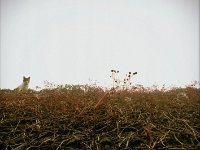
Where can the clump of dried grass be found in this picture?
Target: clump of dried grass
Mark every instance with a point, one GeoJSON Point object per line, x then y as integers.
{"type": "Point", "coordinates": [75, 118]}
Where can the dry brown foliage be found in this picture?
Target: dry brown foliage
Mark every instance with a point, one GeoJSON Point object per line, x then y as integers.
{"type": "Point", "coordinates": [100, 119]}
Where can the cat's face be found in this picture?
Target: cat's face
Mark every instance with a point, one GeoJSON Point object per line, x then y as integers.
{"type": "Point", "coordinates": [26, 80]}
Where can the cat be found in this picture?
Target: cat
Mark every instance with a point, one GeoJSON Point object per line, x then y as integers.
{"type": "Point", "coordinates": [24, 85]}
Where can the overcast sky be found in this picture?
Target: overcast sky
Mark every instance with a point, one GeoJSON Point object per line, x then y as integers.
{"type": "Point", "coordinates": [80, 41]}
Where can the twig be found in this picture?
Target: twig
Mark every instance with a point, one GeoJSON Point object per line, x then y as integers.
{"type": "Point", "coordinates": [177, 139]}
{"type": "Point", "coordinates": [191, 129]}
{"type": "Point", "coordinates": [99, 101]}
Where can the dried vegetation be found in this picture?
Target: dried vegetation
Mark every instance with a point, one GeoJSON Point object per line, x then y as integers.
{"type": "Point", "coordinates": [93, 118]}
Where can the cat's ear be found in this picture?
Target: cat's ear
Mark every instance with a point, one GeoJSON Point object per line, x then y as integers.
{"type": "Point", "coordinates": [29, 78]}
{"type": "Point", "coordinates": [24, 77]}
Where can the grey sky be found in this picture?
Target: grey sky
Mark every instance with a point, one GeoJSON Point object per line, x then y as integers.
{"type": "Point", "coordinates": [72, 41]}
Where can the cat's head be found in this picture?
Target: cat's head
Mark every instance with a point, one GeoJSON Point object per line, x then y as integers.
{"type": "Point", "coordinates": [26, 80]}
